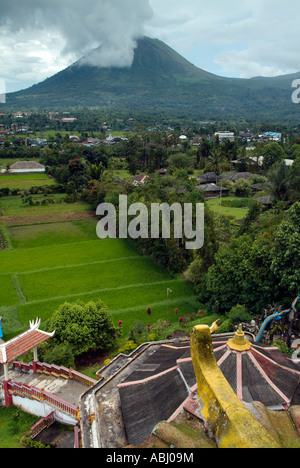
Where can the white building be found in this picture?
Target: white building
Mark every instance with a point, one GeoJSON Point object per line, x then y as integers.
{"type": "Point", "coordinates": [225, 136]}
{"type": "Point", "coordinates": [260, 160]}
{"type": "Point", "coordinates": [27, 167]}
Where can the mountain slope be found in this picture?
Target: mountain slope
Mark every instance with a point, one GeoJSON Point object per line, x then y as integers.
{"type": "Point", "coordinates": [160, 79]}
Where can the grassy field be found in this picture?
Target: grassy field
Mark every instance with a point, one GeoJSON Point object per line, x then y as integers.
{"type": "Point", "coordinates": [8, 294]}
{"type": "Point", "coordinates": [54, 256]}
{"type": "Point", "coordinates": [25, 181]}
{"type": "Point", "coordinates": [39, 235]}
{"type": "Point", "coordinates": [13, 207]}
{"type": "Point", "coordinates": [122, 174]}
{"type": "Point", "coordinates": [13, 424]}
{"type": "Point", "coordinates": [50, 264]}
{"type": "Point", "coordinates": [217, 207]}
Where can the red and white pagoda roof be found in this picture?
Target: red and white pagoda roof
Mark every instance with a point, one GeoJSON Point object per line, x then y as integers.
{"type": "Point", "coordinates": [23, 343]}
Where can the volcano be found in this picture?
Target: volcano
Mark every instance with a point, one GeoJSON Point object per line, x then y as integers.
{"type": "Point", "coordinates": [161, 80]}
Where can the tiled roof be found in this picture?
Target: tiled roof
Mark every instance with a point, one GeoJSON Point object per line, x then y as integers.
{"type": "Point", "coordinates": [265, 200]}
{"type": "Point", "coordinates": [259, 374]}
{"type": "Point", "coordinates": [148, 387]}
{"type": "Point", "coordinates": [26, 165]}
{"type": "Point", "coordinates": [209, 188]}
{"type": "Point", "coordinates": [187, 429]}
{"type": "Point", "coordinates": [157, 386]}
{"type": "Point", "coordinates": [19, 345]}
{"type": "Point", "coordinates": [233, 176]}
{"type": "Point", "coordinates": [140, 178]}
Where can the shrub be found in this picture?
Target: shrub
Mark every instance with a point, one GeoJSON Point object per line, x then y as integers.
{"type": "Point", "coordinates": [239, 313]}
{"type": "Point", "coordinates": [283, 347]}
{"type": "Point", "coordinates": [61, 355]}
{"type": "Point", "coordinates": [27, 442]}
{"type": "Point", "coordinates": [129, 346]}
{"type": "Point", "coordinates": [225, 327]}
{"type": "Point", "coordinates": [86, 327]}
{"type": "Point", "coordinates": [4, 192]}
{"type": "Point", "coordinates": [243, 188]}
{"type": "Point", "coordinates": [151, 337]}
{"type": "Point", "coordinates": [137, 332]}
{"type": "Point", "coordinates": [159, 329]}
{"type": "Point", "coordinates": [237, 203]}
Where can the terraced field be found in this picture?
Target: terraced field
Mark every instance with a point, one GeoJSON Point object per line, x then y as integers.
{"type": "Point", "coordinates": [49, 264]}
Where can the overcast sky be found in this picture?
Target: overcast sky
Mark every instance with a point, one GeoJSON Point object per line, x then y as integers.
{"type": "Point", "coordinates": [234, 38]}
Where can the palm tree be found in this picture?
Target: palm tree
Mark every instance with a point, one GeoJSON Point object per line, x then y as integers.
{"type": "Point", "coordinates": [96, 172]}
{"type": "Point", "coordinates": [279, 185]}
{"type": "Point", "coordinates": [217, 162]}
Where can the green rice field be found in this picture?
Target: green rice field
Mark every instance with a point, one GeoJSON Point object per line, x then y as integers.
{"type": "Point", "coordinates": [49, 264]}
{"type": "Point", "coordinates": [25, 181]}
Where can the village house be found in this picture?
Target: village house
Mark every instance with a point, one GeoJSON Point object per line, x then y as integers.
{"type": "Point", "coordinates": [260, 161]}
{"type": "Point", "coordinates": [207, 178]}
{"type": "Point", "coordinates": [27, 167]}
{"type": "Point", "coordinates": [38, 142]}
{"type": "Point", "coordinates": [266, 201]}
{"type": "Point", "coordinates": [2, 130]}
{"type": "Point", "coordinates": [196, 141]}
{"type": "Point", "coordinates": [261, 187]}
{"type": "Point", "coordinates": [68, 120]}
{"type": "Point", "coordinates": [139, 179]}
{"type": "Point", "coordinates": [212, 190]}
{"type": "Point", "coordinates": [74, 138]}
{"type": "Point", "coordinates": [234, 176]}
{"type": "Point", "coordinates": [273, 136]}
{"type": "Point", "coordinates": [162, 171]}
{"type": "Point", "coordinates": [225, 136]}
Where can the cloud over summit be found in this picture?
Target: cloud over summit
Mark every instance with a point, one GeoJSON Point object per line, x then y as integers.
{"type": "Point", "coordinates": [242, 38]}
{"type": "Point", "coordinates": [74, 27]}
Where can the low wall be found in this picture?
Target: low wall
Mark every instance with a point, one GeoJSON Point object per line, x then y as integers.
{"type": "Point", "coordinates": [43, 409]}
{"type": "Point", "coordinates": [52, 369]}
{"type": "Point", "coordinates": [41, 403]}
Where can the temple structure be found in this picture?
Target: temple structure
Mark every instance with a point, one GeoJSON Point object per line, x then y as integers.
{"type": "Point", "coordinates": [202, 390]}
{"type": "Point", "coordinates": [163, 381]}
{"type": "Point", "coordinates": [20, 345]}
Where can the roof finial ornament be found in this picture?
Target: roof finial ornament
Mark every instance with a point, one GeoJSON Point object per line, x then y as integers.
{"type": "Point", "coordinates": [239, 342]}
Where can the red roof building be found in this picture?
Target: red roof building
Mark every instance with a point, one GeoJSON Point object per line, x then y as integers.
{"type": "Point", "coordinates": [20, 345]}
{"type": "Point", "coordinates": [23, 343]}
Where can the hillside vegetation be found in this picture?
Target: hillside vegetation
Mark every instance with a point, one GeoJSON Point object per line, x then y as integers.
{"type": "Point", "coordinates": [160, 78]}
